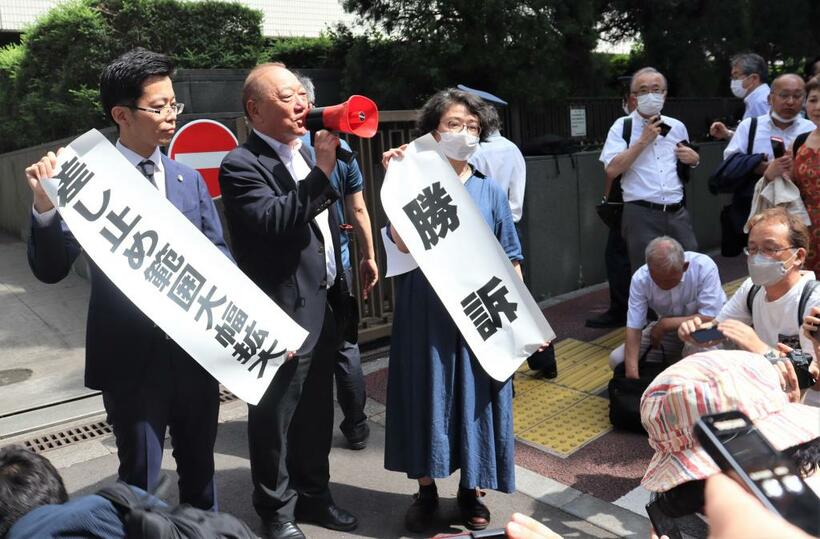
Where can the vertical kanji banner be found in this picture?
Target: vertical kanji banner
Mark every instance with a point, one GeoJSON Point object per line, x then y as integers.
{"type": "Point", "coordinates": [169, 269]}
{"type": "Point", "coordinates": [461, 258]}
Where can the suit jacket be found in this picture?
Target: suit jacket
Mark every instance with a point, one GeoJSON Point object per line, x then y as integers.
{"type": "Point", "coordinates": [119, 337]}
{"type": "Point", "coordinates": [274, 236]}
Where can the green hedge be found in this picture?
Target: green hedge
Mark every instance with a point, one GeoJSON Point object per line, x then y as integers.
{"type": "Point", "coordinates": [49, 82]}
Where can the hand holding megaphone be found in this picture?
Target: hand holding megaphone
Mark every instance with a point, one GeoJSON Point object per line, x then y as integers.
{"type": "Point", "coordinates": [357, 116]}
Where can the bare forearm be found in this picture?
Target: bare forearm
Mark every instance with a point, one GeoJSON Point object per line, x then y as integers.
{"type": "Point", "coordinates": [632, 346]}
{"type": "Point", "coordinates": [361, 225]}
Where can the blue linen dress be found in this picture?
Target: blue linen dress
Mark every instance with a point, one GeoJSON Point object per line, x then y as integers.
{"type": "Point", "coordinates": [444, 412]}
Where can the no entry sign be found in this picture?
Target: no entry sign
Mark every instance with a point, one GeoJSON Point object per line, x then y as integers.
{"type": "Point", "coordinates": [202, 144]}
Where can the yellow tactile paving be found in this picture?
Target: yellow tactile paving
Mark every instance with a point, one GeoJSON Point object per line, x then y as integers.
{"type": "Point", "coordinates": [569, 430]}
{"type": "Point", "coordinates": [589, 376]}
{"type": "Point", "coordinates": [525, 383]}
{"type": "Point", "coordinates": [611, 340]}
{"type": "Point", "coordinates": [732, 286]}
{"type": "Point", "coordinates": [535, 406]}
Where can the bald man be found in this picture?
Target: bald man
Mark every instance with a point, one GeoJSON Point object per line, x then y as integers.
{"type": "Point", "coordinates": [277, 194]}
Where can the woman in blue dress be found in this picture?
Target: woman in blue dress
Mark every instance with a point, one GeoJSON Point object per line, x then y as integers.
{"type": "Point", "coordinates": [444, 413]}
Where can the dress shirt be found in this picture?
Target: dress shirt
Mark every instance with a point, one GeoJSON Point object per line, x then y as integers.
{"type": "Point", "coordinates": [653, 176]}
{"type": "Point", "coordinates": [765, 130]}
{"type": "Point", "coordinates": [299, 169]}
{"type": "Point", "coordinates": [501, 161]}
{"type": "Point", "coordinates": [757, 102]}
{"type": "Point", "coordinates": [699, 292]}
{"type": "Point", "coordinates": [43, 219]}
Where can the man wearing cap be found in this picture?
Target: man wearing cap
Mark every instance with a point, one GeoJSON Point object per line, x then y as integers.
{"type": "Point", "coordinates": [708, 383]}
{"type": "Point", "coordinates": [350, 388]}
{"type": "Point", "coordinates": [678, 286]}
{"type": "Point", "coordinates": [648, 166]}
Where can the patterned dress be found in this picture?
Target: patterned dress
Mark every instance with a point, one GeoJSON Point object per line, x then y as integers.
{"type": "Point", "coordinates": [807, 178]}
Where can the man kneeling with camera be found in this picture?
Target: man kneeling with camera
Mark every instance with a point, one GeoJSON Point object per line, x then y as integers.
{"type": "Point", "coordinates": [766, 313]}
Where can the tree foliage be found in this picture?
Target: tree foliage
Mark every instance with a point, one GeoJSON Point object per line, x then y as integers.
{"type": "Point", "coordinates": [49, 82]}
{"type": "Point", "coordinates": [533, 49]}
{"type": "Point", "coordinates": [692, 41]}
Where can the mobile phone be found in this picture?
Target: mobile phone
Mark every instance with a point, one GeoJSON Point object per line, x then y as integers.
{"type": "Point", "coordinates": [707, 335]}
{"type": "Point", "coordinates": [662, 523]}
{"type": "Point", "coordinates": [739, 449]}
{"type": "Point", "coordinates": [664, 127]}
{"type": "Point", "coordinates": [778, 147]}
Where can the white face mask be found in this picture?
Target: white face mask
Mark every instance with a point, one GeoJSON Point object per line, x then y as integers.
{"type": "Point", "coordinates": [766, 271]}
{"type": "Point", "coordinates": [780, 118]}
{"type": "Point", "coordinates": [458, 146]}
{"type": "Point", "coordinates": [650, 104]}
{"type": "Point", "coordinates": [737, 88]}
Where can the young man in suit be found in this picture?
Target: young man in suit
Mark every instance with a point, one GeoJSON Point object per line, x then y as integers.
{"type": "Point", "coordinates": [148, 382]}
{"type": "Point", "coordinates": [277, 196]}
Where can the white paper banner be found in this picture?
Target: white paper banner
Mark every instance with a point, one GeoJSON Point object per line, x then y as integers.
{"type": "Point", "coordinates": [397, 262]}
{"type": "Point", "coordinates": [458, 253]}
{"type": "Point", "coordinates": [169, 269]}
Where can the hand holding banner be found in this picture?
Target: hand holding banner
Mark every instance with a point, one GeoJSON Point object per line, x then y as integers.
{"type": "Point", "coordinates": [169, 269]}
{"type": "Point", "coordinates": [461, 258]}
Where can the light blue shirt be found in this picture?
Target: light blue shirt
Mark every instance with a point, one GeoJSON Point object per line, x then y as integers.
{"type": "Point", "coordinates": [757, 102]}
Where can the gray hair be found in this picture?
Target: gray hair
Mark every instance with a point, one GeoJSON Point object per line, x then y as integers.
{"type": "Point", "coordinates": [646, 71]}
{"type": "Point", "coordinates": [751, 64]}
{"type": "Point", "coordinates": [307, 84]}
{"type": "Point", "coordinates": [665, 253]}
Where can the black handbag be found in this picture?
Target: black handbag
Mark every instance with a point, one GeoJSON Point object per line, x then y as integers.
{"type": "Point", "coordinates": [611, 208]}
{"type": "Point", "coordinates": [625, 393]}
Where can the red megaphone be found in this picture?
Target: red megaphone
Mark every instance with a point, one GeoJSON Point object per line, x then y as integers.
{"type": "Point", "coordinates": [357, 116]}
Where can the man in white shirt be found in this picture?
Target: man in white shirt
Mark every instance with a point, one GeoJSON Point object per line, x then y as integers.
{"type": "Point", "coordinates": [652, 190]}
{"type": "Point", "coordinates": [678, 286]}
{"type": "Point", "coordinates": [749, 77]}
{"type": "Point", "coordinates": [783, 120]}
{"type": "Point", "coordinates": [777, 248]}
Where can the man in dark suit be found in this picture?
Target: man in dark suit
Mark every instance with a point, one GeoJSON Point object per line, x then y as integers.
{"type": "Point", "coordinates": [276, 195]}
{"type": "Point", "coordinates": [148, 382]}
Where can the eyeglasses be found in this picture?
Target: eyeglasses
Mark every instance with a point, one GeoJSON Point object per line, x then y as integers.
{"type": "Point", "coordinates": [766, 251]}
{"type": "Point", "coordinates": [645, 91]}
{"type": "Point", "coordinates": [457, 126]}
{"type": "Point", "coordinates": [176, 108]}
{"type": "Point", "coordinates": [797, 97]}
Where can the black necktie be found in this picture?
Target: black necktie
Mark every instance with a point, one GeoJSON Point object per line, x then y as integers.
{"type": "Point", "coordinates": [147, 169]}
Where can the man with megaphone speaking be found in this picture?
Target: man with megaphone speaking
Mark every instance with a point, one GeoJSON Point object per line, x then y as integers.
{"type": "Point", "coordinates": [277, 194]}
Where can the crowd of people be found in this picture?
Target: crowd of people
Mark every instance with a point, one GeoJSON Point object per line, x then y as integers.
{"type": "Point", "coordinates": [286, 198]}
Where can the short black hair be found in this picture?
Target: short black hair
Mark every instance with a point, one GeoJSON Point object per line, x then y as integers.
{"type": "Point", "coordinates": [121, 81]}
{"type": "Point", "coordinates": [27, 481]}
{"type": "Point", "coordinates": [432, 111]}
{"type": "Point", "coordinates": [808, 69]}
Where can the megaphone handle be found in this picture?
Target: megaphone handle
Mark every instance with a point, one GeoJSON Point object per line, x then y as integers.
{"type": "Point", "coordinates": [345, 155]}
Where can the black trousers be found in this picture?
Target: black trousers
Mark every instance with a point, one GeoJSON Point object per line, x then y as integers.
{"type": "Point", "coordinates": [178, 394]}
{"type": "Point", "coordinates": [350, 390]}
{"type": "Point", "coordinates": [618, 272]}
{"type": "Point", "coordinates": [291, 429]}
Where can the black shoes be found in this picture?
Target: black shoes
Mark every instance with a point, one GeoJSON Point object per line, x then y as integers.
{"type": "Point", "coordinates": [327, 515]}
{"type": "Point", "coordinates": [419, 516]}
{"type": "Point", "coordinates": [606, 320]}
{"type": "Point", "coordinates": [357, 443]}
{"type": "Point", "coordinates": [474, 513]}
{"type": "Point", "coordinates": [281, 530]}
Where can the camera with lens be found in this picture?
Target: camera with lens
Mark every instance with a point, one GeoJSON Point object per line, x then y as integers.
{"type": "Point", "coordinates": [801, 361]}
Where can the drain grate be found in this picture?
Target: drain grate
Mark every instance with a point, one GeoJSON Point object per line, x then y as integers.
{"type": "Point", "coordinates": [70, 436]}
{"type": "Point", "coordinates": [82, 433]}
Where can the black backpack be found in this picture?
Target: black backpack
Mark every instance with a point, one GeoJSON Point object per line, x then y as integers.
{"type": "Point", "coordinates": [625, 393]}
{"type": "Point", "coordinates": [142, 520]}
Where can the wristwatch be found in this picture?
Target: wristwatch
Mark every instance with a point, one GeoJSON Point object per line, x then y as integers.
{"type": "Point", "coordinates": [772, 355]}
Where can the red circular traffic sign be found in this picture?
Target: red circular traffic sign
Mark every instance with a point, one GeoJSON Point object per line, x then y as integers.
{"type": "Point", "coordinates": [202, 144]}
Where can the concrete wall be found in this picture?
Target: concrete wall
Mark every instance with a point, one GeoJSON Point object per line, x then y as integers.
{"type": "Point", "coordinates": [562, 236]}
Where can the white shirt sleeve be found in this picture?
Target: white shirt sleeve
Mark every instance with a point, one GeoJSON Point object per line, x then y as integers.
{"type": "Point", "coordinates": [638, 299]}
{"type": "Point", "coordinates": [615, 142]}
{"type": "Point", "coordinates": [740, 139]}
{"type": "Point", "coordinates": [44, 219]}
{"type": "Point", "coordinates": [711, 297]}
{"type": "Point", "coordinates": [518, 184]}
{"type": "Point", "coordinates": [735, 308]}
{"type": "Point", "coordinates": [806, 343]}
